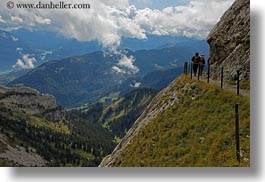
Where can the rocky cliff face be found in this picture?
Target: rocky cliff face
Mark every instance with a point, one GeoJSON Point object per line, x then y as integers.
{"type": "Point", "coordinates": [229, 42]}
{"type": "Point", "coordinates": [30, 101]}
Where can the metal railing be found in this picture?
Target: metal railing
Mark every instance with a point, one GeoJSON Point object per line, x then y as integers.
{"type": "Point", "coordinates": [198, 70]}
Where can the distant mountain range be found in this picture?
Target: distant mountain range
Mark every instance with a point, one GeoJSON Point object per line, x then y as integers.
{"type": "Point", "coordinates": [95, 75]}
{"type": "Point", "coordinates": [87, 78]}
{"type": "Point", "coordinates": [55, 46]}
{"type": "Point", "coordinates": [51, 41]}
{"type": "Point", "coordinates": [16, 43]}
{"type": "Point", "coordinates": [73, 79]}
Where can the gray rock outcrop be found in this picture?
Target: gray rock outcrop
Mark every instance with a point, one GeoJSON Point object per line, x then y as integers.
{"type": "Point", "coordinates": [229, 42]}
{"type": "Point", "coordinates": [30, 101]}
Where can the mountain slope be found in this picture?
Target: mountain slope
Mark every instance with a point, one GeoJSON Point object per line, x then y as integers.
{"type": "Point", "coordinates": [150, 60]}
{"type": "Point", "coordinates": [157, 80]}
{"type": "Point", "coordinates": [120, 116]}
{"type": "Point", "coordinates": [161, 78]}
{"type": "Point", "coordinates": [189, 124]}
{"type": "Point", "coordinates": [35, 131]}
{"type": "Point", "coordinates": [11, 76]}
{"type": "Point", "coordinates": [72, 80]}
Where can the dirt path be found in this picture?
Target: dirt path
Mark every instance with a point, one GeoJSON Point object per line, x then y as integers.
{"type": "Point", "coordinates": [226, 86]}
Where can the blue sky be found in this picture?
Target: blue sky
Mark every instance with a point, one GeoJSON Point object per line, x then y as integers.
{"type": "Point", "coordinates": [158, 4]}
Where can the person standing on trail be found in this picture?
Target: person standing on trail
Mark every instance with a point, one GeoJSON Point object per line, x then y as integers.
{"type": "Point", "coordinates": [202, 64]}
{"type": "Point", "coordinates": [195, 59]}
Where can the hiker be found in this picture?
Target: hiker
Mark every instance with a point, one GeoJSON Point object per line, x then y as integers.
{"type": "Point", "coordinates": [202, 63]}
{"type": "Point", "coordinates": [195, 59]}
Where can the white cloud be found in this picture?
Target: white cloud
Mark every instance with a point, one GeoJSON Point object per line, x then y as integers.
{"type": "Point", "coordinates": [118, 70]}
{"type": "Point", "coordinates": [19, 49]}
{"type": "Point", "coordinates": [15, 39]}
{"type": "Point", "coordinates": [125, 64]}
{"type": "Point", "coordinates": [195, 19]}
{"type": "Point", "coordinates": [135, 84]}
{"type": "Point", "coordinates": [16, 19]}
{"type": "Point", "coordinates": [2, 20]}
{"type": "Point", "coordinates": [44, 54]}
{"type": "Point", "coordinates": [41, 20]}
{"type": "Point", "coordinates": [27, 62]}
{"type": "Point", "coordinates": [108, 21]}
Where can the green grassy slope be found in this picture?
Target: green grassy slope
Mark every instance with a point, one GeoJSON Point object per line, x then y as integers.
{"type": "Point", "coordinates": [196, 131]}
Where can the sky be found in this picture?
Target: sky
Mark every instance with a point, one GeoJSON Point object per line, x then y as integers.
{"type": "Point", "coordinates": [109, 21]}
{"type": "Point", "coordinates": [158, 4]}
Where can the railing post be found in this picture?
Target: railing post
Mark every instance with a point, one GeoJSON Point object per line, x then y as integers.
{"type": "Point", "coordinates": [238, 86]}
{"type": "Point", "coordinates": [237, 133]}
{"type": "Point", "coordinates": [191, 68]}
{"type": "Point", "coordinates": [208, 74]}
{"type": "Point", "coordinates": [222, 77]}
{"type": "Point", "coordinates": [186, 68]}
{"type": "Point", "coordinates": [199, 71]}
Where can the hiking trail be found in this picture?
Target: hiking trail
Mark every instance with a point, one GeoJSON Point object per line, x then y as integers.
{"type": "Point", "coordinates": [226, 86]}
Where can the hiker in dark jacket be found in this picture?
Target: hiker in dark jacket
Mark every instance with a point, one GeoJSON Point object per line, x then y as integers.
{"type": "Point", "coordinates": [195, 59]}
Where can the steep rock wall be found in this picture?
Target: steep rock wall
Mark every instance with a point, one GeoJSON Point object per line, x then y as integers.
{"type": "Point", "coordinates": [229, 42]}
